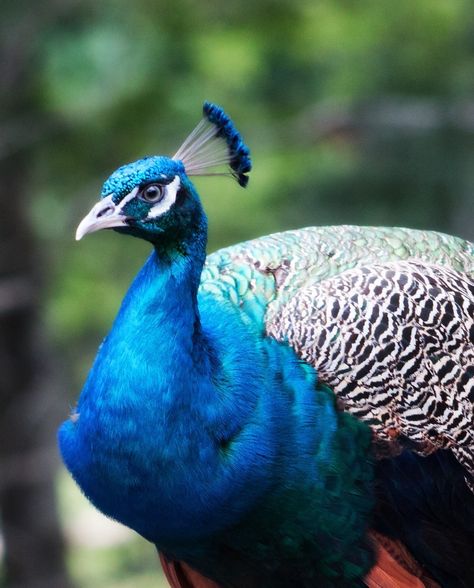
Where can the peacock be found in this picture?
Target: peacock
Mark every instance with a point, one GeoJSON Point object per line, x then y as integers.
{"type": "Point", "coordinates": [292, 411]}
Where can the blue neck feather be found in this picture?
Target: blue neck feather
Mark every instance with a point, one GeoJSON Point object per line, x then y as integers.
{"type": "Point", "coordinates": [158, 405]}
{"type": "Point", "coordinates": [192, 427]}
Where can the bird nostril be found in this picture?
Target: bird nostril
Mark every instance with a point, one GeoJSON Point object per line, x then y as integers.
{"type": "Point", "coordinates": [105, 211]}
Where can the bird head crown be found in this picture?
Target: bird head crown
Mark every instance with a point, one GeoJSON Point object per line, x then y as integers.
{"type": "Point", "coordinates": [154, 195]}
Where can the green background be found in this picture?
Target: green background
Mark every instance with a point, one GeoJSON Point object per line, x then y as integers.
{"type": "Point", "coordinates": [356, 111]}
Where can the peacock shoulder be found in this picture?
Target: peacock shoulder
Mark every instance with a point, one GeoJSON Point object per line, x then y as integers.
{"type": "Point", "coordinates": [262, 274]}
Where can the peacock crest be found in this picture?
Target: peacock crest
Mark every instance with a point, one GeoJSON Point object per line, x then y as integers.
{"type": "Point", "coordinates": [215, 142]}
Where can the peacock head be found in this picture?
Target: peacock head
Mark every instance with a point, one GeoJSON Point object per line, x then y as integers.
{"type": "Point", "coordinates": [154, 199]}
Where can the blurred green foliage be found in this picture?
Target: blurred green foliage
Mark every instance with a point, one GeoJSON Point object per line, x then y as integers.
{"type": "Point", "coordinates": [356, 112]}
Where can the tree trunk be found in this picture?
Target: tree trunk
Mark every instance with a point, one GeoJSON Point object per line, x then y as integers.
{"type": "Point", "coordinates": [34, 552]}
{"type": "Point", "coordinates": [33, 541]}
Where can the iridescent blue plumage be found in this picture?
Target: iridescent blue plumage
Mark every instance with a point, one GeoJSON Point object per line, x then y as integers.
{"type": "Point", "coordinates": [145, 170]}
{"type": "Point", "coordinates": [195, 427]}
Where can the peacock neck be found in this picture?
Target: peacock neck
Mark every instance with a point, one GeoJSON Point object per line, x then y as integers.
{"type": "Point", "coordinates": [180, 260]}
{"type": "Point", "coordinates": [156, 333]}
{"type": "Point", "coordinates": [161, 306]}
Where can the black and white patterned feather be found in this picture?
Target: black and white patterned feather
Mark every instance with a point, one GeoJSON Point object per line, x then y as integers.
{"type": "Point", "coordinates": [395, 341]}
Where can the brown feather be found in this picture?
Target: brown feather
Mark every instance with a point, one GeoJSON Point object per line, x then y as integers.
{"type": "Point", "coordinates": [180, 575]}
{"type": "Point", "coordinates": [395, 567]}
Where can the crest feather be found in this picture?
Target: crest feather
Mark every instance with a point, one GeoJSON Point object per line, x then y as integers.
{"type": "Point", "coordinates": [213, 143]}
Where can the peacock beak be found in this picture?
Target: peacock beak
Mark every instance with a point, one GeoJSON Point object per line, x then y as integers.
{"type": "Point", "coordinates": [104, 215]}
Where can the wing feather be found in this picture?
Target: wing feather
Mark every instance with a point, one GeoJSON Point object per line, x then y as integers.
{"type": "Point", "coordinates": [395, 342]}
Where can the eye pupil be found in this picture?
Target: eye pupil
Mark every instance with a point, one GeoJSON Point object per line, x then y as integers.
{"type": "Point", "coordinates": [152, 193]}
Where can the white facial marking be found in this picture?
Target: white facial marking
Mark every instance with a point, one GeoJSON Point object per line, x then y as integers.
{"type": "Point", "coordinates": [130, 196]}
{"type": "Point", "coordinates": [171, 190]}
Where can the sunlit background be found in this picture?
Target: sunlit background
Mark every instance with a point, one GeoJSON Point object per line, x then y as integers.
{"type": "Point", "coordinates": [359, 112]}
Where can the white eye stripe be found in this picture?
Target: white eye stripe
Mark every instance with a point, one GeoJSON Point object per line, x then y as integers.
{"type": "Point", "coordinates": [171, 191]}
{"type": "Point", "coordinates": [130, 196]}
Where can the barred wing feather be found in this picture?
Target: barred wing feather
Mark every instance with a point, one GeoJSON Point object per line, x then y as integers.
{"type": "Point", "coordinates": [395, 342]}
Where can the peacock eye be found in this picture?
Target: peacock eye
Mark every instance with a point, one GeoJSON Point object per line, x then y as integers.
{"type": "Point", "coordinates": [152, 193]}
